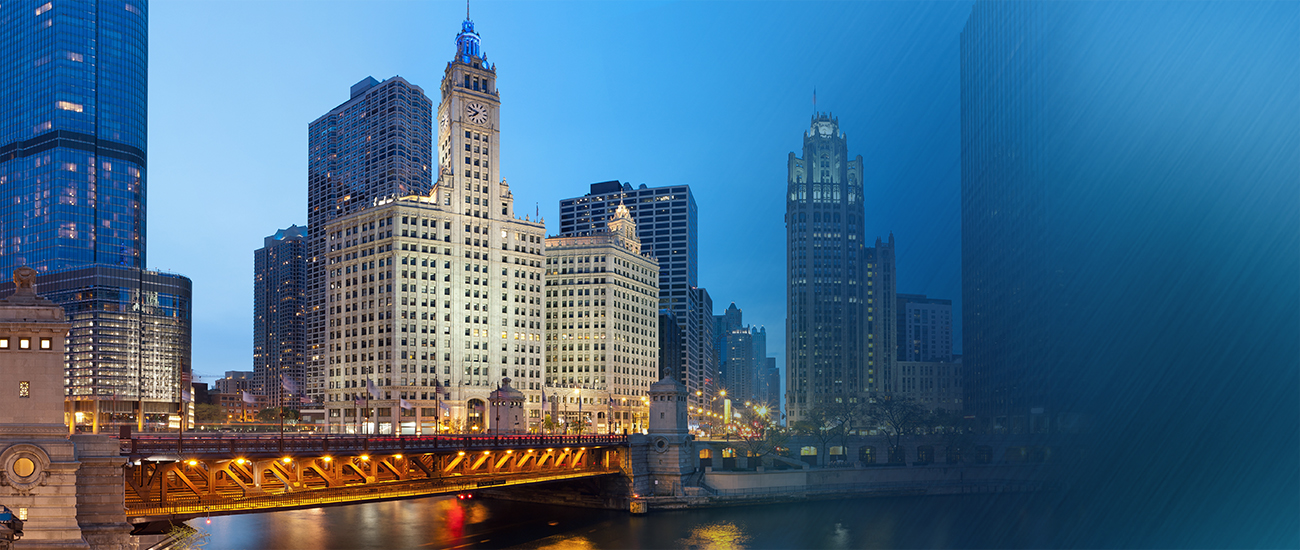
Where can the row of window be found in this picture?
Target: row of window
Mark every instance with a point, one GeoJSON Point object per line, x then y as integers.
{"type": "Point", "coordinates": [26, 343]}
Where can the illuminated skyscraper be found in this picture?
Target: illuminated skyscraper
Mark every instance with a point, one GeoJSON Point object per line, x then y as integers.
{"type": "Point", "coordinates": [73, 138]}
{"type": "Point", "coordinates": [279, 314]}
{"type": "Point", "coordinates": [839, 326]}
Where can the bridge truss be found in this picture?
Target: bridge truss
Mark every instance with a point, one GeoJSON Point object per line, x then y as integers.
{"type": "Point", "coordinates": [180, 478]}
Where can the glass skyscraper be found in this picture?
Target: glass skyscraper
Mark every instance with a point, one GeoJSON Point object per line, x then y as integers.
{"type": "Point", "coordinates": [279, 314]}
{"type": "Point", "coordinates": [73, 136]}
{"type": "Point", "coordinates": [73, 87]}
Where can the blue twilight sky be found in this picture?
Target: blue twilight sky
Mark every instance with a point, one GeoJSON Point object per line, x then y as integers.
{"type": "Point", "coordinates": [714, 95]}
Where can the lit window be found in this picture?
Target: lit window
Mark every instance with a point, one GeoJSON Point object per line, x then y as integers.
{"type": "Point", "coordinates": [69, 106]}
{"type": "Point", "coordinates": [4, 343]}
{"type": "Point", "coordinates": [25, 343]}
{"type": "Point", "coordinates": [24, 389]}
{"type": "Point", "coordinates": [46, 343]}
{"type": "Point", "coordinates": [44, 8]}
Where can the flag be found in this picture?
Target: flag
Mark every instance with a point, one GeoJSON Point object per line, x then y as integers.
{"type": "Point", "coordinates": [290, 385]}
{"type": "Point", "coordinates": [248, 398]}
{"type": "Point", "coordinates": [370, 387]}
{"type": "Point", "coordinates": [304, 399]}
{"type": "Point", "coordinates": [185, 396]}
{"type": "Point", "coordinates": [358, 403]}
{"type": "Point", "coordinates": [405, 404]}
{"type": "Point", "coordinates": [444, 407]}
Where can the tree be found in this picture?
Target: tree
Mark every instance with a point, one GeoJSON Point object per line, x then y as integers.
{"type": "Point", "coordinates": [759, 435]}
{"type": "Point", "coordinates": [897, 416]}
{"type": "Point", "coordinates": [842, 418]}
{"type": "Point", "coordinates": [273, 414]}
{"type": "Point", "coordinates": [184, 537]}
{"type": "Point", "coordinates": [549, 424]}
{"type": "Point", "coordinates": [820, 426]}
{"type": "Point", "coordinates": [205, 413]}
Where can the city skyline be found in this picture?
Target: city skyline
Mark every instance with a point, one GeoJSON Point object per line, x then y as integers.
{"type": "Point", "coordinates": [892, 132]}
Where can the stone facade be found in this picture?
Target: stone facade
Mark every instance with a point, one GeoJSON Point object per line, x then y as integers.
{"type": "Point", "coordinates": [42, 469]}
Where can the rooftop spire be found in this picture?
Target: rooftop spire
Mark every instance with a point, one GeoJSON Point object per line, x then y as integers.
{"type": "Point", "coordinates": [467, 42]}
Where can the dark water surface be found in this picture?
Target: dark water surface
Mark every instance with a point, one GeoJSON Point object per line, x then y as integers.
{"type": "Point", "coordinates": [972, 521]}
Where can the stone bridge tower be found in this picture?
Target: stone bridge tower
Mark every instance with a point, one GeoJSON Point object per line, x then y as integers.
{"type": "Point", "coordinates": [68, 489]}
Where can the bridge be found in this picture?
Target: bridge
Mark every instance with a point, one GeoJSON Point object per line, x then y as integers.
{"type": "Point", "coordinates": [172, 478]}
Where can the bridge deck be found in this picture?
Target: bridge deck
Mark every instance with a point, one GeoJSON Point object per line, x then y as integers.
{"type": "Point", "coordinates": [186, 446]}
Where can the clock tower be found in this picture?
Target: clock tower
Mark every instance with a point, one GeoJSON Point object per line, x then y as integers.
{"type": "Point", "coordinates": [468, 131]}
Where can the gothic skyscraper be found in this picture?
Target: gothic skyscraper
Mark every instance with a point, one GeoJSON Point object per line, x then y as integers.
{"type": "Point", "coordinates": [838, 289]}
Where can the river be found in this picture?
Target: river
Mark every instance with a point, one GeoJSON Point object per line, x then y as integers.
{"type": "Point", "coordinates": [968, 521]}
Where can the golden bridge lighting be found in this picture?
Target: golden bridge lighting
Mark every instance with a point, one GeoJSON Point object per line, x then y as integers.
{"type": "Point", "coordinates": [397, 456]}
{"type": "Point", "coordinates": [326, 458]}
{"type": "Point", "coordinates": [365, 457]}
{"type": "Point", "coordinates": [193, 462]}
{"type": "Point", "coordinates": [286, 460]}
{"type": "Point", "coordinates": [240, 461]}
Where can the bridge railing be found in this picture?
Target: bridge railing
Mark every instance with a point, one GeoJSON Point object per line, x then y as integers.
{"type": "Point", "coordinates": [250, 445]}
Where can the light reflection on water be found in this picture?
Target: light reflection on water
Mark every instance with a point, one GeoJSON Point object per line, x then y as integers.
{"type": "Point", "coordinates": [715, 536]}
{"type": "Point", "coordinates": [987, 521]}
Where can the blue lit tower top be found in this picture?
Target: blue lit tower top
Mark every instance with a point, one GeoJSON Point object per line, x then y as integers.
{"type": "Point", "coordinates": [467, 43]}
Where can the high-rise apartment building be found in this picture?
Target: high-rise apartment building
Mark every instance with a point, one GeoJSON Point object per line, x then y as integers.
{"type": "Point", "coordinates": [436, 298]}
{"type": "Point", "coordinates": [839, 329]}
{"type": "Point", "coordinates": [602, 326]}
{"type": "Point", "coordinates": [667, 224]}
{"type": "Point", "coordinates": [377, 145]}
{"type": "Point", "coordinates": [924, 328]}
{"type": "Point", "coordinates": [279, 316]}
{"type": "Point", "coordinates": [73, 139]}
{"type": "Point", "coordinates": [741, 356]}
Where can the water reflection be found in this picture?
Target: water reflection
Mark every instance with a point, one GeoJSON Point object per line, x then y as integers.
{"type": "Point", "coordinates": [987, 521]}
{"type": "Point", "coordinates": [715, 536]}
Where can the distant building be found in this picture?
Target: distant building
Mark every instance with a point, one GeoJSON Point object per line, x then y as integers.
{"type": "Point", "coordinates": [279, 316]}
{"type": "Point", "coordinates": [700, 350]}
{"type": "Point", "coordinates": [234, 383]}
{"type": "Point", "coordinates": [934, 385]}
{"type": "Point", "coordinates": [376, 145]}
{"type": "Point", "coordinates": [602, 326]}
{"type": "Point", "coordinates": [670, 343]}
{"type": "Point", "coordinates": [237, 405]}
{"type": "Point", "coordinates": [924, 328]}
{"type": "Point", "coordinates": [201, 393]}
{"type": "Point", "coordinates": [667, 224]}
{"type": "Point", "coordinates": [771, 384]}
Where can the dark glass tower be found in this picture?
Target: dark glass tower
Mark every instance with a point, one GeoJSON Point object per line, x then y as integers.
{"type": "Point", "coordinates": [73, 113]}
{"type": "Point", "coordinates": [376, 145]}
{"type": "Point", "coordinates": [1129, 257]}
{"type": "Point", "coordinates": [279, 304]}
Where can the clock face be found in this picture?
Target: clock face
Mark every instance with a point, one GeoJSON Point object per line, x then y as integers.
{"type": "Point", "coordinates": [824, 129]}
{"type": "Point", "coordinates": [477, 113]}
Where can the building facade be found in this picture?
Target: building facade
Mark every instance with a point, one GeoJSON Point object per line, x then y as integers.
{"type": "Point", "coordinates": [279, 316]}
{"type": "Point", "coordinates": [839, 328]}
{"type": "Point", "coordinates": [933, 385]}
{"type": "Point", "coordinates": [924, 328]}
{"type": "Point", "coordinates": [72, 151]}
{"type": "Point", "coordinates": [375, 146]}
{"type": "Point", "coordinates": [602, 327]}
{"type": "Point", "coordinates": [129, 346]}
{"type": "Point", "coordinates": [667, 224]}
{"type": "Point", "coordinates": [235, 382]}
{"type": "Point", "coordinates": [437, 298]}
